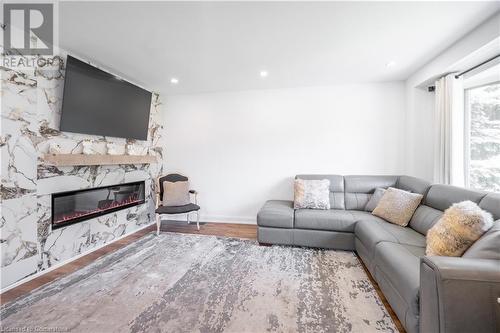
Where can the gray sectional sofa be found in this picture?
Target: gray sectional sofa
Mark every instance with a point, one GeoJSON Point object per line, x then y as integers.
{"type": "Point", "coordinates": [428, 294]}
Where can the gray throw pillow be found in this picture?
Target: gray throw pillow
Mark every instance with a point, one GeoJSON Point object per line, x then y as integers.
{"type": "Point", "coordinates": [374, 199]}
{"type": "Point", "coordinates": [314, 194]}
{"type": "Point", "coordinates": [175, 193]}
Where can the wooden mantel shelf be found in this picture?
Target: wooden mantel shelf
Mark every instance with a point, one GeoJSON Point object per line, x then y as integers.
{"type": "Point", "coordinates": [81, 159]}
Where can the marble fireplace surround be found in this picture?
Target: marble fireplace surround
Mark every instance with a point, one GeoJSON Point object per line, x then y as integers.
{"type": "Point", "coordinates": [30, 112]}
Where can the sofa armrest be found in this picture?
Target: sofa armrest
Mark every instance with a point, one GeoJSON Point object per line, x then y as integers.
{"type": "Point", "coordinates": [459, 295]}
{"type": "Point", "coordinates": [276, 214]}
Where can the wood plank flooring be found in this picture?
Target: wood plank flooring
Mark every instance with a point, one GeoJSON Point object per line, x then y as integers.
{"type": "Point", "coordinates": [247, 231]}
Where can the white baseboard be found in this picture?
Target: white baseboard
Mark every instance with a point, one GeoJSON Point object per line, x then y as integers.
{"type": "Point", "coordinates": [228, 219]}
{"type": "Point", "coordinates": [62, 263]}
{"type": "Point", "coordinates": [213, 218]}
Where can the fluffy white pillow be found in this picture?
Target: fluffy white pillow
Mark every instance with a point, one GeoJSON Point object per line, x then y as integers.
{"type": "Point", "coordinates": [313, 194]}
{"type": "Point", "coordinates": [459, 227]}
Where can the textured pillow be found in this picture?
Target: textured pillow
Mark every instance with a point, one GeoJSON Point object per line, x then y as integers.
{"type": "Point", "coordinates": [460, 226]}
{"type": "Point", "coordinates": [175, 193]}
{"type": "Point", "coordinates": [374, 199]}
{"type": "Point", "coordinates": [397, 206]}
{"type": "Point", "coordinates": [313, 194]}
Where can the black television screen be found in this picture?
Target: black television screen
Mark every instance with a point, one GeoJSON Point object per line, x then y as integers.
{"type": "Point", "coordinates": [99, 103]}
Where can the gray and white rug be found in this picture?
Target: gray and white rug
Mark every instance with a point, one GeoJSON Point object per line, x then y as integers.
{"type": "Point", "coordinates": [190, 283]}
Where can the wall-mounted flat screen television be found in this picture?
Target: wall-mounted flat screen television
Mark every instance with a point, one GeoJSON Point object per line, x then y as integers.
{"type": "Point", "coordinates": [99, 103]}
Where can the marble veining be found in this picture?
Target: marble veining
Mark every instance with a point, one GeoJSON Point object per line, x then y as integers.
{"type": "Point", "coordinates": [30, 112]}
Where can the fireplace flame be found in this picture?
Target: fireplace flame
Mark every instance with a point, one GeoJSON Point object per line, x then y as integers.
{"type": "Point", "coordinates": [63, 218]}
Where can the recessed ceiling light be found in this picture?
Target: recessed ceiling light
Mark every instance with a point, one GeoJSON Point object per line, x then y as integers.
{"type": "Point", "coordinates": [390, 64]}
{"type": "Point", "coordinates": [263, 73]}
{"type": "Point", "coordinates": [174, 80]}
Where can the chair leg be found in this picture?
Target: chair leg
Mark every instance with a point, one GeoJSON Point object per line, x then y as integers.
{"type": "Point", "coordinates": [187, 217]}
{"type": "Point", "coordinates": [198, 219]}
{"type": "Point", "coordinates": [158, 224]}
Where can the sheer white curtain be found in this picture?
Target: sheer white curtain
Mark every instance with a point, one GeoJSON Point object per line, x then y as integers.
{"type": "Point", "coordinates": [449, 131]}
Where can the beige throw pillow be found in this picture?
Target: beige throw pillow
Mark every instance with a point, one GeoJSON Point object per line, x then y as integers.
{"type": "Point", "coordinates": [313, 194]}
{"type": "Point", "coordinates": [397, 206]}
{"type": "Point", "coordinates": [459, 227]}
{"type": "Point", "coordinates": [175, 193]}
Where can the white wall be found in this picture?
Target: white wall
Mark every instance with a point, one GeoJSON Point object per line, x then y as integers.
{"type": "Point", "coordinates": [242, 148]}
{"type": "Point", "coordinates": [419, 139]}
{"type": "Point", "coordinates": [478, 45]}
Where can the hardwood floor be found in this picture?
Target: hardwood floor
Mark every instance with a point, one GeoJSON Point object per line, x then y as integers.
{"type": "Point", "coordinates": [247, 231]}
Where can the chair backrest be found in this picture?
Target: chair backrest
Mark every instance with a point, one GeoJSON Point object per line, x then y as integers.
{"type": "Point", "coordinates": [172, 177]}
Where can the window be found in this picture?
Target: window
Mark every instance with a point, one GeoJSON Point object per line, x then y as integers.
{"type": "Point", "coordinates": [482, 135]}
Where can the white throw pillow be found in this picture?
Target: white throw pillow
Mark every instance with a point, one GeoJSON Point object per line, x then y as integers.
{"type": "Point", "coordinates": [459, 227]}
{"type": "Point", "coordinates": [313, 194]}
{"type": "Point", "coordinates": [175, 193]}
{"type": "Point", "coordinates": [397, 206]}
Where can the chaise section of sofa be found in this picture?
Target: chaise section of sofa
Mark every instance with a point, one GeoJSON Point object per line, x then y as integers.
{"type": "Point", "coordinates": [428, 294]}
{"type": "Point", "coordinates": [275, 222]}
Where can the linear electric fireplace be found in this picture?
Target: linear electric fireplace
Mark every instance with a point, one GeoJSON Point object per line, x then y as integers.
{"type": "Point", "coordinates": [75, 206]}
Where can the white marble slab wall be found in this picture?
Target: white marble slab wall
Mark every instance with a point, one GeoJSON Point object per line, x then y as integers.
{"type": "Point", "coordinates": [30, 113]}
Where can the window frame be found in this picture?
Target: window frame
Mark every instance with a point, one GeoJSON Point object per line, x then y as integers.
{"type": "Point", "coordinates": [467, 129]}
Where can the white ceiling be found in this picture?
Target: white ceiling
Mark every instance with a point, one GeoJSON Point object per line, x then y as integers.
{"type": "Point", "coordinates": [221, 46]}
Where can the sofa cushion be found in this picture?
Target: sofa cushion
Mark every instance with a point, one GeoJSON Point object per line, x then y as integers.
{"type": "Point", "coordinates": [412, 184]}
{"type": "Point", "coordinates": [276, 213]}
{"type": "Point", "coordinates": [372, 231]}
{"type": "Point", "coordinates": [362, 215]}
{"type": "Point", "coordinates": [336, 188]}
{"type": "Point", "coordinates": [399, 265]}
{"type": "Point", "coordinates": [332, 220]}
{"type": "Point", "coordinates": [488, 246]}
{"type": "Point", "coordinates": [443, 196]}
{"type": "Point", "coordinates": [424, 218]}
{"type": "Point", "coordinates": [397, 206]}
{"type": "Point", "coordinates": [359, 189]}
{"type": "Point", "coordinates": [491, 203]}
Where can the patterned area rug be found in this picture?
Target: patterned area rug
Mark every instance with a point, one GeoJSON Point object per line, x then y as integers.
{"type": "Point", "coordinates": [189, 283]}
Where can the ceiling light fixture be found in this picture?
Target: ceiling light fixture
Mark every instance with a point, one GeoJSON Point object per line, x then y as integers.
{"type": "Point", "coordinates": [174, 80]}
{"type": "Point", "coordinates": [263, 74]}
{"type": "Point", "coordinates": [390, 64]}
